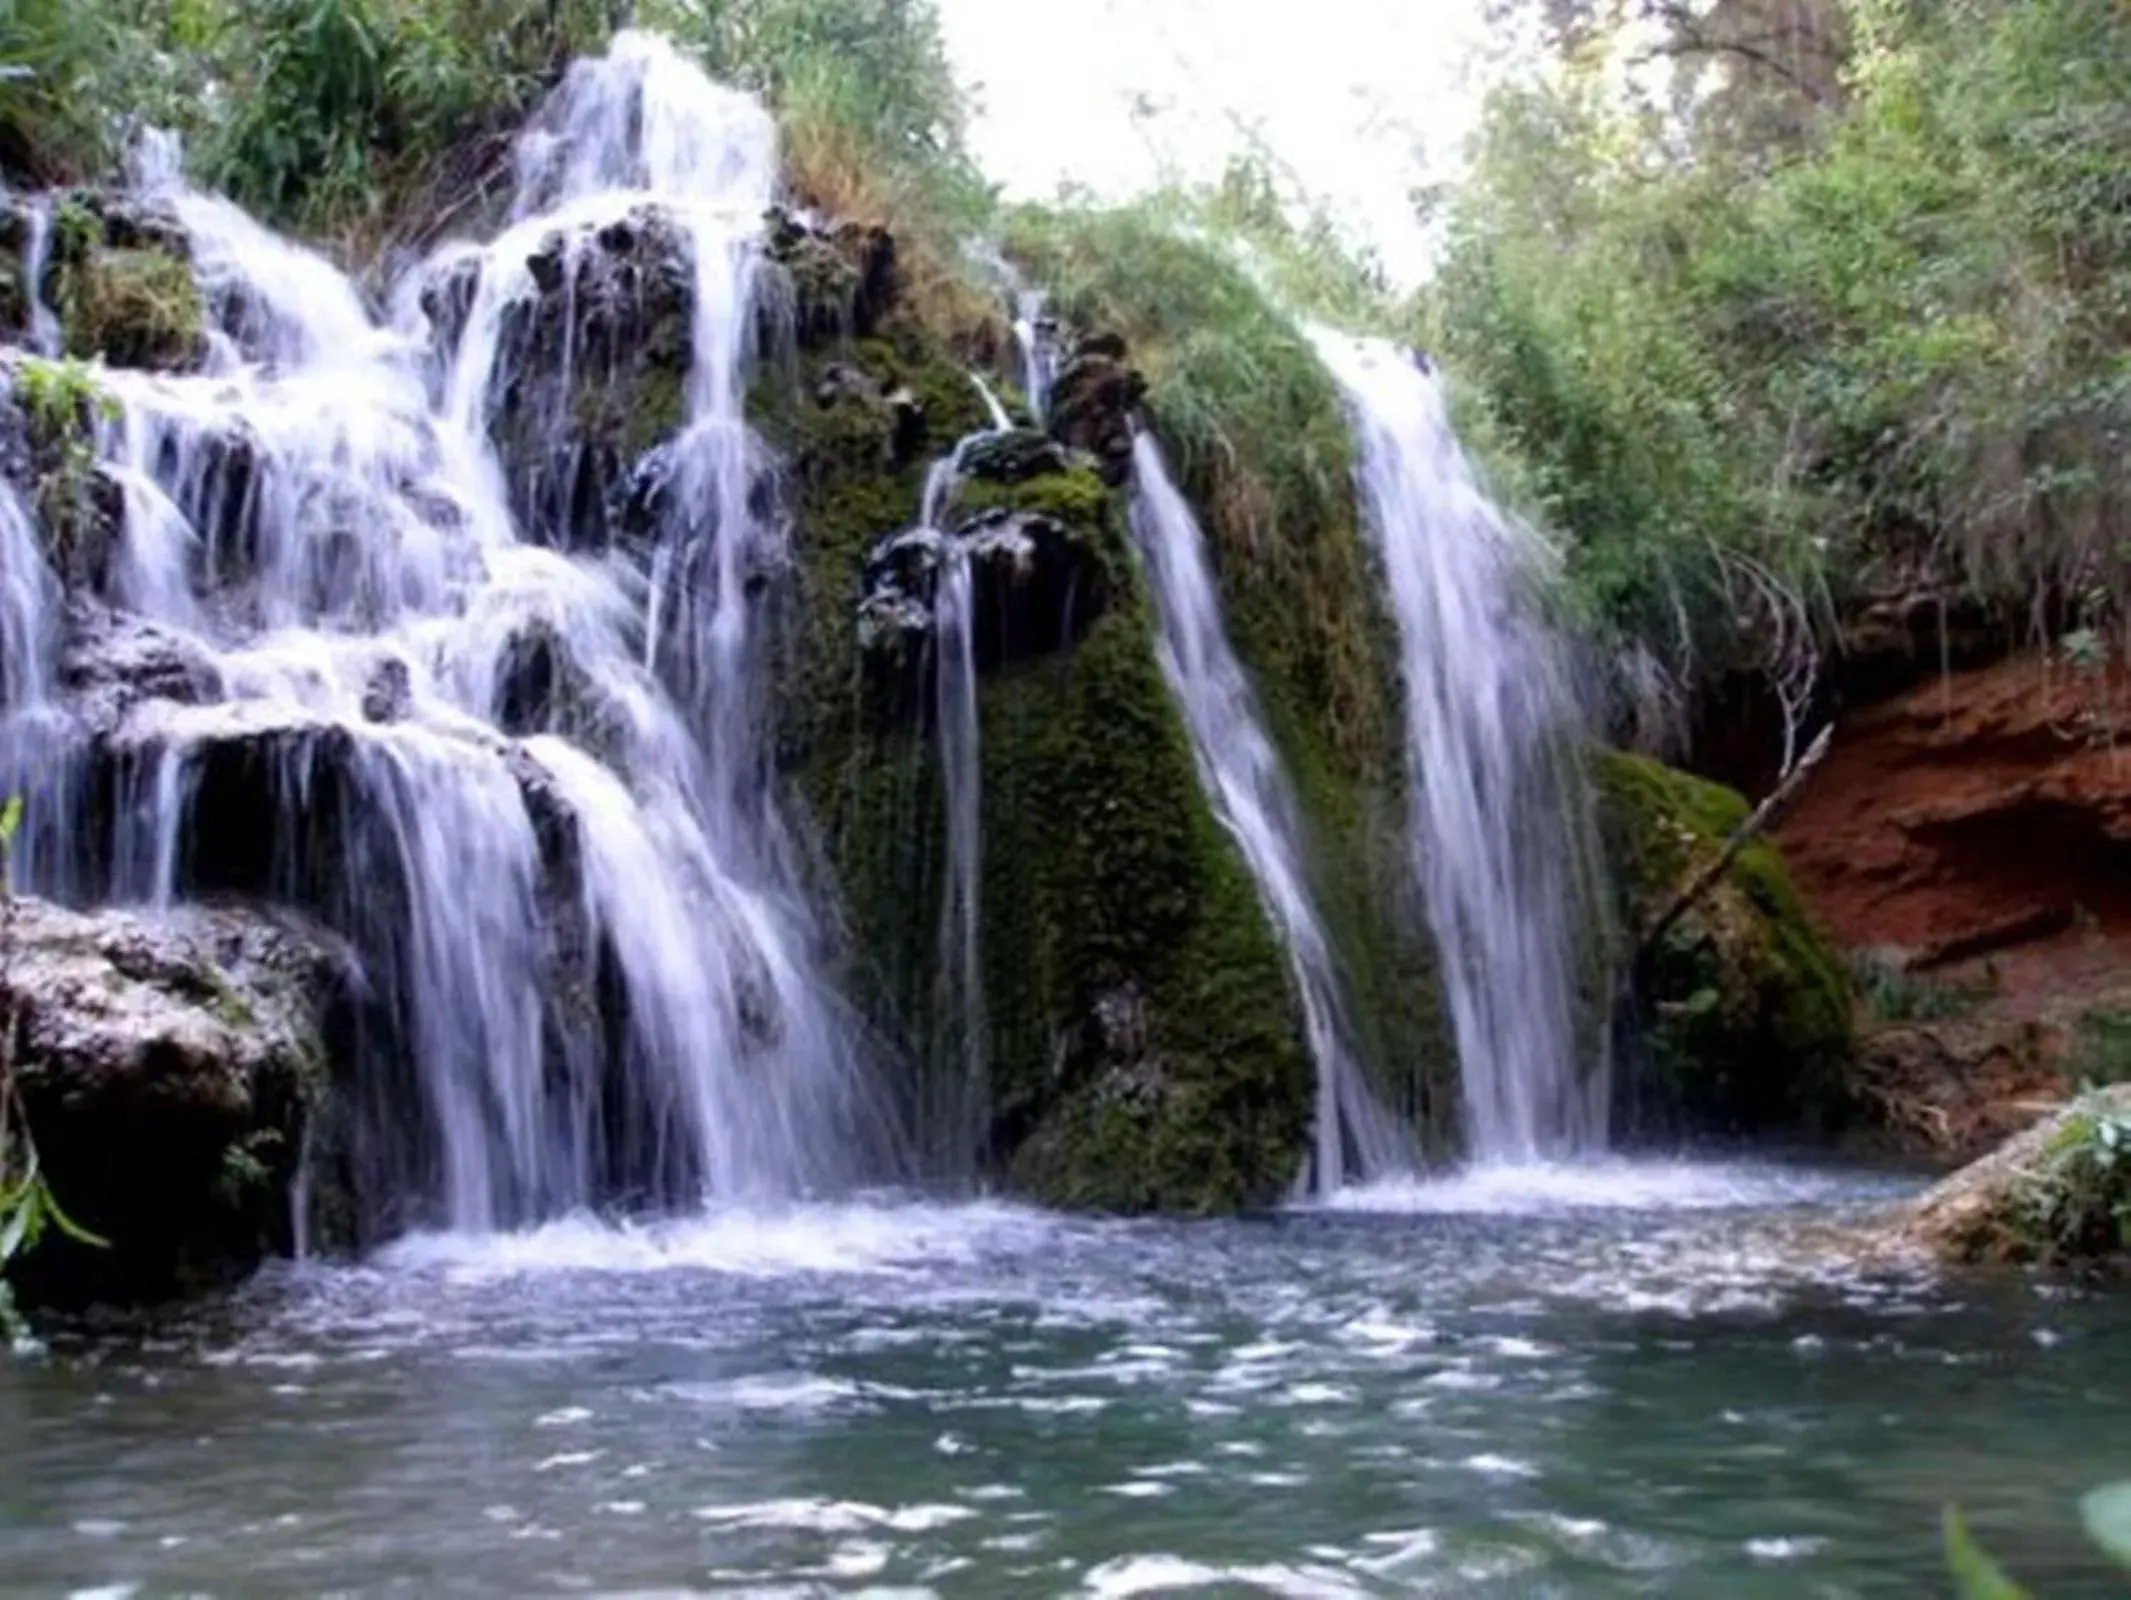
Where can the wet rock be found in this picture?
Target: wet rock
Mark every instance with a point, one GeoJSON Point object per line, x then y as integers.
{"type": "Point", "coordinates": [1742, 1012]}
{"type": "Point", "coordinates": [120, 278]}
{"type": "Point", "coordinates": [168, 1066]}
{"type": "Point", "coordinates": [2056, 1195]}
{"type": "Point", "coordinates": [1092, 402]}
{"type": "Point", "coordinates": [1015, 456]}
{"type": "Point", "coordinates": [592, 373]}
{"type": "Point", "coordinates": [1037, 584]}
{"type": "Point", "coordinates": [840, 279]}
{"type": "Point", "coordinates": [112, 661]}
{"type": "Point", "coordinates": [388, 693]}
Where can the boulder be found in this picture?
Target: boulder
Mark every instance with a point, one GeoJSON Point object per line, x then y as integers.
{"type": "Point", "coordinates": [119, 276]}
{"type": "Point", "coordinates": [2055, 1195]}
{"type": "Point", "coordinates": [1742, 1011]}
{"type": "Point", "coordinates": [168, 1067]}
{"type": "Point", "coordinates": [1092, 403]}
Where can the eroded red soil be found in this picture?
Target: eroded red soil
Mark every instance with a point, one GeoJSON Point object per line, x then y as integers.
{"type": "Point", "coordinates": [1976, 832]}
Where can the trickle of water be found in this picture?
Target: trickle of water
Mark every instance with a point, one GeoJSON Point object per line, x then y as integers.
{"type": "Point", "coordinates": [1500, 826]}
{"type": "Point", "coordinates": [1355, 1138]}
{"type": "Point", "coordinates": [959, 1117]}
{"type": "Point", "coordinates": [36, 254]}
{"type": "Point", "coordinates": [29, 600]}
{"type": "Point", "coordinates": [1034, 333]}
{"type": "Point", "coordinates": [322, 518]}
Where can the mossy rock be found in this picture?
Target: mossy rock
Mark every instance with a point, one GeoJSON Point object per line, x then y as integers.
{"type": "Point", "coordinates": [1746, 1009]}
{"type": "Point", "coordinates": [1103, 871]}
{"type": "Point", "coordinates": [120, 280]}
{"type": "Point", "coordinates": [2057, 1195]}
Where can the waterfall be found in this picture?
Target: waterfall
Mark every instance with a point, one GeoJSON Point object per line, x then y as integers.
{"type": "Point", "coordinates": [1035, 334]}
{"type": "Point", "coordinates": [1500, 830]}
{"type": "Point", "coordinates": [320, 524]}
{"type": "Point", "coordinates": [1251, 795]}
{"type": "Point", "coordinates": [960, 1114]}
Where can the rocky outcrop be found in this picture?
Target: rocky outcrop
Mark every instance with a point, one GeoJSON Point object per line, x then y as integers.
{"type": "Point", "coordinates": [1143, 1043]}
{"type": "Point", "coordinates": [117, 274]}
{"type": "Point", "coordinates": [1093, 399]}
{"type": "Point", "coordinates": [1039, 531]}
{"type": "Point", "coordinates": [2056, 1195]}
{"type": "Point", "coordinates": [1970, 833]}
{"type": "Point", "coordinates": [1742, 1010]}
{"type": "Point", "coordinates": [168, 1068]}
{"type": "Point", "coordinates": [591, 373]}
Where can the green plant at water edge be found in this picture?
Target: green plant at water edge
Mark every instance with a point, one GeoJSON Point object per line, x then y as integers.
{"type": "Point", "coordinates": [2105, 1513]}
{"type": "Point", "coordinates": [63, 403]}
{"type": "Point", "coordinates": [27, 1205]}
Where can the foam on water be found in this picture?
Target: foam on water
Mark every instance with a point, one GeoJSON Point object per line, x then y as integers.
{"type": "Point", "coordinates": [1537, 1188]}
{"type": "Point", "coordinates": [766, 1241]}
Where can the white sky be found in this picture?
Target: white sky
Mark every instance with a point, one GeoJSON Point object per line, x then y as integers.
{"type": "Point", "coordinates": [1361, 99]}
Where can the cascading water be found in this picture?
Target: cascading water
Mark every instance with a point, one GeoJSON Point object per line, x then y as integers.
{"type": "Point", "coordinates": [1035, 334]}
{"type": "Point", "coordinates": [1500, 829]}
{"type": "Point", "coordinates": [958, 1116]}
{"type": "Point", "coordinates": [319, 527]}
{"type": "Point", "coordinates": [1355, 1138]}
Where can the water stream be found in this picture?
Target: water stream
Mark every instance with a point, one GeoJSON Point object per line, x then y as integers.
{"type": "Point", "coordinates": [320, 521]}
{"type": "Point", "coordinates": [1354, 1137]}
{"type": "Point", "coordinates": [1500, 831]}
{"type": "Point", "coordinates": [1647, 1383]}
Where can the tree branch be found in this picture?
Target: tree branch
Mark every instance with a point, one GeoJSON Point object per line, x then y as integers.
{"type": "Point", "coordinates": [1763, 817]}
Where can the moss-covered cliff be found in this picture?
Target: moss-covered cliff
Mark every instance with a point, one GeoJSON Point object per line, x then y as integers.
{"type": "Point", "coordinates": [1744, 1007]}
{"type": "Point", "coordinates": [1262, 448]}
{"type": "Point", "coordinates": [1142, 1038]}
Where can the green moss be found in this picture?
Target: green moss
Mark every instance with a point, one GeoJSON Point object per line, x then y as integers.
{"type": "Point", "coordinates": [1256, 433]}
{"type": "Point", "coordinates": [1103, 871]}
{"type": "Point", "coordinates": [129, 307]}
{"type": "Point", "coordinates": [1077, 498]}
{"type": "Point", "coordinates": [1750, 1005]}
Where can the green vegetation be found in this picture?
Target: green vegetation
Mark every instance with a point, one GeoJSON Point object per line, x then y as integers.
{"type": "Point", "coordinates": [2101, 1049]}
{"type": "Point", "coordinates": [1748, 1007]}
{"type": "Point", "coordinates": [1893, 994]}
{"type": "Point", "coordinates": [1256, 434]}
{"type": "Point", "coordinates": [63, 404]}
{"type": "Point", "coordinates": [1853, 321]}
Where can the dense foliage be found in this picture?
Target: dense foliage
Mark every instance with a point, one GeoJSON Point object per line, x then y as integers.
{"type": "Point", "coordinates": [1755, 366]}
{"type": "Point", "coordinates": [331, 115]}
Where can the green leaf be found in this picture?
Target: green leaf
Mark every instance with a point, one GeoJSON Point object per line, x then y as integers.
{"type": "Point", "coordinates": [10, 819]}
{"type": "Point", "coordinates": [1978, 1577]}
{"type": "Point", "coordinates": [2107, 1514]}
{"type": "Point", "coordinates": [68, 1226]}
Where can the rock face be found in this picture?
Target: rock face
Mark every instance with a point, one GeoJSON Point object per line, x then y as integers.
{"type": "Point", "coordinates": [1971, 833]}
{"type": "Point", "coordinates": [2057, 1195]}
{"type": "Point", "coordinates": [1746, 1021]}
{"type": "Point", "coordinates": [168, 1067]}
{"type": "Point", "coordinates": [1144, 1049]}
{"type": "Point", "coordinates": [1092, 402]}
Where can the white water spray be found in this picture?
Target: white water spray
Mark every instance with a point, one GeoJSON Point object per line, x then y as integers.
{"type": "Point", "coordinates": [1499, 827]}
{"type": "Point", "coordinates": [323, 516]}
{"type": "Point", "coordinates": [1355, 1138]}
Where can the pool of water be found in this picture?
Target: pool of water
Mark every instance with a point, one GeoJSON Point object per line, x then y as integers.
{"type": "Point", "coordinates": [1627, 1380]}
